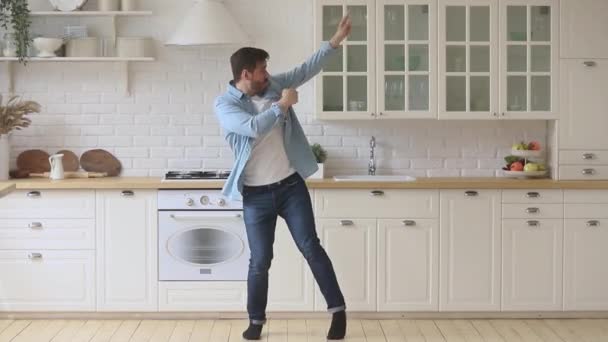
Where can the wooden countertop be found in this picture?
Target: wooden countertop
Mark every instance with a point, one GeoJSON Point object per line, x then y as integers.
{"type": "Point", "coordinates": [6, 188]}
{"type": "Point", "coordinates": [420, 183]}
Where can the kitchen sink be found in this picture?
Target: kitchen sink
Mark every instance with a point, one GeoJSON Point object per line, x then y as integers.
{"type": "Point", "coordinates": [374, 178]}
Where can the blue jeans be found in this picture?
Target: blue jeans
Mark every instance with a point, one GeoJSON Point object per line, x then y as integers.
{"type": "Point", "coordinates": [262, 205]}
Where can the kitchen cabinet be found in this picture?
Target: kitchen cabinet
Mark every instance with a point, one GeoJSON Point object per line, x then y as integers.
{"type": "Point", "coordinates": [408, 265]}
{"type": "Point", "coordinates": [498, 59]}
{"type": "Point", "coordinates": [290, 283]}
{"type": "Point", "coordinates": [585, 253]}
{"type": "Point", "coordinates": [385, 68]}
{"type": "Point", "coordinates": [470, 244]}
{"type": "Point", "coordinates": [584, 29]}
{"type": "Point", "coordinates": [127, 274]}
{"type": "Point", "coordinates": [355, 265]}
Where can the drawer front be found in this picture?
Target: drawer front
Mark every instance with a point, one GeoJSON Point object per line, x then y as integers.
{"type": "Point", "coordinates": [42, 280]}
{"type": "Point", "coordinates": [47, 234]}
{"type": "Point", "coordinates": [532, 196]}
{"type": "Point", "coordinates": [532, 211]}
{"type": "Point", "coordinates": [377, 203]}
{"type": "Point", "coordinates": [585, 196]}
{"type": "Point", "coordinates": [583, 172]}
{"type": "Point", "coordinates": [587, 210]}
{"type": "Point", "coordinates": [582, 157]}
{"type": "Point", "coordinates": [202, 296]}
{"type": "Point", "coordinates": [39, 204]}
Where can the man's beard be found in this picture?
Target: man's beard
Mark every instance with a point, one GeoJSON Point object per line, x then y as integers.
{"type": "Point", "coordinates": [261, 87]}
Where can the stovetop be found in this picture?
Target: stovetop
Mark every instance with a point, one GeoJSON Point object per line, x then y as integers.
{"type": "Point", "coordinates": [196, 175]}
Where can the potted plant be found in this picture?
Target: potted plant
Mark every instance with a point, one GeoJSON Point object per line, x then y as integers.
{"type": "Point", "coordinates": [16, 13]}
{"type": "Point", "coordinates": [12, 117]}
{"type": "Point", "coordinates": [321, 156]}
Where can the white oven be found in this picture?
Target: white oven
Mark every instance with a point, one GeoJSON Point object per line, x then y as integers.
{"type": "Point", "coordinates": [201, 236]}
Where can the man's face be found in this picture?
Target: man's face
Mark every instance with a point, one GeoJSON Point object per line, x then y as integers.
{"type": "Point", "coordinates": [259, 78]}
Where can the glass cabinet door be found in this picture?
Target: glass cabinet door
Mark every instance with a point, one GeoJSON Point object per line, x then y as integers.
{"type": "Point", "coordinates": [528, 30]}
{"type": "Point", "coordinates": [345, 87]}
{"type": "Point", "coordinates": [468, 59]}
{"type": "Point", "coordinates": [406, 63]}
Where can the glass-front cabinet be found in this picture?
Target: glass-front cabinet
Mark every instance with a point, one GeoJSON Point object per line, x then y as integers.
{"type": "Point", "coordinates": [468, 63]}
{"type": "Point", "coordinates": [406, 50]}
{"type": "Point", "coordinates": [346, 85]}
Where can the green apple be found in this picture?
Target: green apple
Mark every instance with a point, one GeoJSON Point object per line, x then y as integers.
{"type": "Point", "coordinates": [530, 167]}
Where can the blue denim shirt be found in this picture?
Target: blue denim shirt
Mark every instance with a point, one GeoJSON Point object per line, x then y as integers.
{"type": "Point", "coordinates": [241, 125]}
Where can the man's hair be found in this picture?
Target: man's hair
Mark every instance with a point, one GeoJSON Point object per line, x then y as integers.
{"type": "Point", "coordinates": [246, 58]}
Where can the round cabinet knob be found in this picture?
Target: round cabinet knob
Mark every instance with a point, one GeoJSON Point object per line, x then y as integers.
{"type": "Point", "coordinates": [205, 200]}
{"type": "Point", "coordinates": [221, 202]}
{"type": "Point", "coordinates": [189, 202]}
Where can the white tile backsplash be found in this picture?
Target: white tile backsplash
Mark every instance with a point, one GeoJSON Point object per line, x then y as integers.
{"type": "Point", "coordinates": [168, 121]}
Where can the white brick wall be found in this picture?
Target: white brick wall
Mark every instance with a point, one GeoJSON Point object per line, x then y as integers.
{"type": "Point", "coordinates": [168, 122]}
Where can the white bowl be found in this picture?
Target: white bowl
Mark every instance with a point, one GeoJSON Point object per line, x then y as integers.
{"type": "Point", "coordinates": [47, 46]}
{"type": "Point", "coordinates": [527, 153]}
{"type": "Point", "coordinates": [525, 174]}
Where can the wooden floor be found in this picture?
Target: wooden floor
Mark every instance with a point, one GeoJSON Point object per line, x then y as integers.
{"type": "Point", "coordinates": [558, 330]}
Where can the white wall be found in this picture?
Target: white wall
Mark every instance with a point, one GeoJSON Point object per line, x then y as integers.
{"type": "Point", "coordinates": [168, 122]}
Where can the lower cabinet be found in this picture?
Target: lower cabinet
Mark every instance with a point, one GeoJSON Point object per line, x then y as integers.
{"type": "Point", "coordinates": [47, 280]}
{"type": "Point", "coordinates": [470, 250]}
{"type": "Point", "coordinates": [351, 246]}
{"type": "Point", "coordinates": [210, 296]}
{"type": "Point", "coordinates": [532, 264]}
{"type": "Point", "coordinates": [408, 265]}
{"type": "Point", "coordinates": [290, 283]}
{"type": "Point", "coordinates": [127, 274]}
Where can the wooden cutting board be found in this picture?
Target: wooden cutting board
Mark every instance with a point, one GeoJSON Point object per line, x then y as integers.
{"type": "Point", "coordinates": [71, 174]}
{"type": "Point", "coordinates": [34, 161]}
{"type": "Point", "coordinates": [100, 161]}
{"type": "Point", "coordinates": [70, 161]}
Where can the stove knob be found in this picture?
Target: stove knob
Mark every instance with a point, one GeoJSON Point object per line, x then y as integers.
{"type": "Point", "coordinates": [221, 202]}
{"type": "Point", "coordinates": [189, 202]}
{"type": "Point", "coordinates": [205, 200]}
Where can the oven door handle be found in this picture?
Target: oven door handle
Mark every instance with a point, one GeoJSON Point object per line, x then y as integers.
{"type": "Point", "coordinates": [200, 217]}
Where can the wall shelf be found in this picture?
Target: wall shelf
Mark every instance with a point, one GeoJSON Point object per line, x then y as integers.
{"type": "Point", "coordinates": [90, 13]}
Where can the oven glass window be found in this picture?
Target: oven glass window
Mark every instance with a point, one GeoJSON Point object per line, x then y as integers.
{"type": "Point", "coordinates": [205, 246]}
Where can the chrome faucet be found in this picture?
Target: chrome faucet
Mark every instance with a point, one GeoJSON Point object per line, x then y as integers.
{"type": "Point", "coordinates": [371, 169]}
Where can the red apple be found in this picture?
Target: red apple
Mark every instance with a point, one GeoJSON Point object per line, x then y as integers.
{"type": "Point", "coordinates": [534, 145]}
{"type": "Point", "coordinates": [517, 166]}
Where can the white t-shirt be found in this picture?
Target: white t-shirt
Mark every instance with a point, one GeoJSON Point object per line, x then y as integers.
{"type": "Point", "coordinates": [268, 162]}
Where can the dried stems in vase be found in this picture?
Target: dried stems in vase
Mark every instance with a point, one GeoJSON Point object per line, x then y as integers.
{"type": "Point", "coordinates": [13, 115]}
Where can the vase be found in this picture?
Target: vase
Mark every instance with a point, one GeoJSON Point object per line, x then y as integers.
{"type": "Point", "coordinates": [4, 157]}
{"type": "Point", "coordinates": [319, 173]}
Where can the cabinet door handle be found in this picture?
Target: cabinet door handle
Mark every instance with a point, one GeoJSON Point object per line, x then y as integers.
{"type": "Point", "coordinates": [347, 223]}
{"type": "Point", "coordinates": [588, 172]}
{"type": "Point", "coordinates": [35, 225]}
{"type": "Point", "coordinates": [409, 223]}
{"type": "Point", "coordinates": [127, 193]}
{"type": "Point", "coordinates": [532, 210]}
{"type": "Point", "coordinates": [588, 156]}
{"type": "Point", "coordinates": [471, 193]}
{"type": "Point", "coordinates": [377, 193]}
{"type": "Point", "coordinates": [589, 63]}
{"type": "Point", "coordinates": [593, 223]}
{"type": "Point", "coordinates": [533, 194]}
{"type": "Point", "coordinates": [34, 194]}
{"type": "Point", "coordinates": [34, 256]}
{"type": "Point", "coordinates": [533, 223]}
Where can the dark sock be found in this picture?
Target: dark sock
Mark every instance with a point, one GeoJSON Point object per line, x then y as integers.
{"type": "Point", "coordinates": [253, 332]}
{"type": "Point", "coordinates": [337, 330]}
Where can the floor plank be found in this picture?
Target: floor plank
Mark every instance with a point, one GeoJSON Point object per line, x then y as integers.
{"type": "Point", "coordinates": [410, 331]}
{"type": "Point", "coordinates": [163, 331]}
{"type": "Point", "coordinates": [316, 329]}
{"type": "Point", "coordinates": [487, 331]}
{"type": "Point", "coordinates": [69, 330]}
{"type": "Point", "coordinates": [202, 331]}
{"type": "Point", "coordinates": [87, 331]}
{"type": "Point", "coordinates": [373, 331]}
{"type": "Point", "coordinates": [296, 331]}
{"type": "Point", "coordinates": [183, 330]}
{"type": "Point", "coordinates": [543, 330]}
{"type": "Point", "coordinates": [220, 331]}
{"type": "Point", "coordinates": [5, 323]}
{"type": "Point", "coordinates": [106, 331]}
{"type": "Point", "coordinates": [125, 331]}
{"type": "Point", "coordinates": [429, 331]}
{"type": "Point", "coordinates": [13, 330]}
{"type": "Point", "coordinates": [560, 327]}
{"type": "Point", "coordinates": [277, 331]}
{"type": "Point", "coordinates": [392, 331]}
{"type": "Point", "coordinates": [505, 329]}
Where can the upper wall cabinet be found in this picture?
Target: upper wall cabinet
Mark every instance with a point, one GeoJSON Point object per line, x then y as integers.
{"type": "Point", "coordinates": [584, 28]}
{"type": "Point", "coordinates": [386, 67]}
{"type": "Point", "coordinates": [498, 60]}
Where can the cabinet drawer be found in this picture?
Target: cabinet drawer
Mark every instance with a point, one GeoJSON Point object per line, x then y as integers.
{"type": "Point", "coordinates": [531, 211]}
{"type": "Point", "coordinates": [585, 196]}
{"type": "Point", "coordinates": [377, 203]}
{"type": "Point", "coordinates": [583, 157]}
{"type": "Point", "coordinates": [47, 234]}
{"type": "Point", "coordinates": [42, 280]}
{"type": "Point", "coordinates": [583, 172]}
{"type": "Point", "coordinates": [532, 196]}
{"type": "Point", "coordinates": [41, 204]}
{"type": "Point", "coordinates": [587, 210]}
{"type": "Point", "coordinates": [202, 296]}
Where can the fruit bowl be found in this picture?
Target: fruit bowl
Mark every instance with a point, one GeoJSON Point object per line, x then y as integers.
{"type": "Point", "coordinates": [527, 153]}
{"type": "Point", "coordinates": [525, 174]}
{"type": "Point", "coordinates": [47, 46]}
